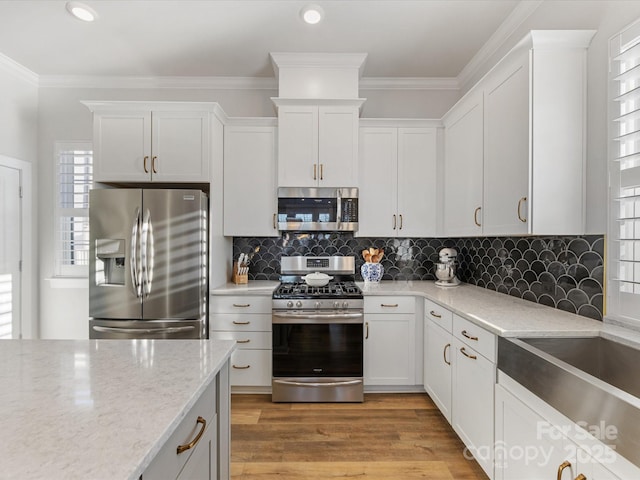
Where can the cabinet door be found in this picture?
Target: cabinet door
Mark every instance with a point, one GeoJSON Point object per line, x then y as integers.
{"type": "Point", "coordinates": [338, 146]}
{"type": "Point", "coordinates": [250, 180]}
{"type": "Point", "coordinates": [180, 147]}
{"type": "Point", "coordinates": [472, 409]}
{"type": "Point", "coordinates": [417, 182]}
{"type": "Point", "coordinates": [507, 150]}
{"type": "Point", "coordinates": [528, 446]}
{"type": "Point", "coordinates": [437, 366]}
{"type": "Point", "coordinates": [389, 349]}
{"type": "Point", "coordinates": [298, 146]}
{"type": "Point", "coordinates": [122, 143]}
{"type": "Point", "coordinates": [377, 207]}
{"type": "Point", "coordinates": [463, 169]}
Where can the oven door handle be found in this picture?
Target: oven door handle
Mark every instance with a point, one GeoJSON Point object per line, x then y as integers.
{"type": "Point", "coordinates": [318, 384]}
{"type": "Point", "coordinates": [314, 317]}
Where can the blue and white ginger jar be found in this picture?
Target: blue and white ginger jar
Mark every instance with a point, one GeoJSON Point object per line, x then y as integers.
{"type": "Point", "coordinates": [372, 272]}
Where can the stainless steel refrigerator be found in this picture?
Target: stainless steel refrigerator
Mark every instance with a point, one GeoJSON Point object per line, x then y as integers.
{"type": "Point", "coordinates": [148, 274]}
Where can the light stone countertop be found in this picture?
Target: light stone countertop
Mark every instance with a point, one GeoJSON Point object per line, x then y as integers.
{"type": "Point", "coordinates": [97, 409]}
{"type": "Point", "coordinates": [498, 313]}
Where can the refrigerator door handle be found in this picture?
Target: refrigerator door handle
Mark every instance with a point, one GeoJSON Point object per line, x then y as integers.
{"type": "Point", "coordinates": [133, 255]}
{"type": "Point", "coordinates": [146, 253]}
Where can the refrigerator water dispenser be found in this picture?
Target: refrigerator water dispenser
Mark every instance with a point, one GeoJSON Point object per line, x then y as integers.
{"type": "Point", "coordinates": [110, 261]}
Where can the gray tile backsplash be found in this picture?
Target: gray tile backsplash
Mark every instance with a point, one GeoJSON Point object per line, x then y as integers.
{"type": "Point", "coordinates": [562, 272]}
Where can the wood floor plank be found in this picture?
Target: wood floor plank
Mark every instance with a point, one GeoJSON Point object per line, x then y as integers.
{"type": "Point", "coordinates": [388, 436]}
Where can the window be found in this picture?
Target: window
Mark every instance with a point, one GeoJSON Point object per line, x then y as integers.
{"type": "Point", "coordinates": [74, 179]}
{"type": "Point", "coordinates": [624, 176]}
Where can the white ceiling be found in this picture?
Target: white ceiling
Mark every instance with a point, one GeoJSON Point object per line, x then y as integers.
{"type": "Point", "coordinates": [211, 38]}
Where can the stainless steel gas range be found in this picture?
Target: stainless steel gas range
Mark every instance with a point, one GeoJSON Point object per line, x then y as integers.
{"type": "Point", "coordinates": [317, 333]}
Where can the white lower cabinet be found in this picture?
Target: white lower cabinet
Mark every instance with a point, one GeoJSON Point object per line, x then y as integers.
{"type": "Point", "coordinates": [438, 356]}
{"type": "Point", "coordinates": [530, 446]}
{"type": "Point", "coordinates": [247, 320]}
{"type": "Point", "coordinates": [389, 345]}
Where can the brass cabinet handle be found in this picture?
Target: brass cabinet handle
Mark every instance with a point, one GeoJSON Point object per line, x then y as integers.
{"type": "Point", "coordinates": [434, 314]}
{"type": "Point", "coordinates": [394, 221]}
{"type": "Point", "coordinates": [400, 227]}
{"type": "Point", "coordinates": [315, 171]}
{"type": "Point", "coordinates": [192, 443]}
{"type": "Point", "coordinates": [274, 221]}
{"type": "Point", "coordinates": [243, 341]}
{"type": "Point", "coordinates": [475, 216]}
{"type": "Point", "coordinates": [153, 164]}
{"type": "Point", "coordinates": [366, 326]}
{"type": "Point", "coordinates": [561, 468]}
{"type": "Point", "coordinates": [321, 171]}
{"type": "Point", "coordinates": [444, 353]}
{"type": "Point", "coordinates": [520, 217]}
{"type": "Point", "coordinates": [144, 163]}
{"type": "Point", "coordinates": [470, 337]}
{"type": "Point", "coordinates": [468, 355]}
{"type": "Point", "coordinates": [389, 305]}
{"type": "Point", "coordinates": [581, 477]}
{"type": "Point", "coordinates": [242, 305]}
{"type": "Point", "coordinates": [241, 368]}
{"type": "Point", "coordinates": [240, 323]}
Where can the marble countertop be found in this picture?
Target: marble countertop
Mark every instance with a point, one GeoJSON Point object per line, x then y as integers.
{"type": "Point", "coordinates": [498, 313]}
{"type": "Point", "coordinates": [97, 408]}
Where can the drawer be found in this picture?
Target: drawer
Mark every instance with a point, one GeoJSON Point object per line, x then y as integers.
{"type": "Point", "coordinates": [476, 337]}
{"type": "Point", "coordinates": [241, 304]}
{"type": "Point", "coordinates": [389, 304]}
{"type": "Point", "coordinates": [240, 322]}
{"type": "Point", "coordinates": [438, 314]}
{"type": "Point", "coordinates": [251, 368]}
{"type": "Point", "coordinates": [168, 463]}
{"type": "Point", "coordinates": [245, 340]}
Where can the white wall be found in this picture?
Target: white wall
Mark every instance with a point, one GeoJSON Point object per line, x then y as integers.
{"type": "Point", "coordinates": [18, 140]}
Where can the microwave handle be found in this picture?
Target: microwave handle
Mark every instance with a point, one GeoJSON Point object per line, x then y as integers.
{"type": "Point", "coordinates": [339, 207]}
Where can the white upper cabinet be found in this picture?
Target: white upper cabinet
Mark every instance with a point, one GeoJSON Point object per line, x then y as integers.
{"type": "Point", "coordinates": [397, 172]}
{"type": "Point", "coordinates": [250, 180]}
{"type": "Point", "coordinates": [317, 144]}
{"type": "Point", "coordinates": [160, 142]}
{"type": "Point", "coordinates": [515, 145]}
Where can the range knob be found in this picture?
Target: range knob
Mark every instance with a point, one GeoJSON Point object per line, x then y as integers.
{"type": "Point", "coordinates": [336, 304]}
{"type": "Point", "coordinates": [345, 304]}
{"type": "Point", "coordinates": [317, 304]}
{"type": "Point", "coordinates": [289, 304]}
{"type": "Point", "coordinates": [298, 304]}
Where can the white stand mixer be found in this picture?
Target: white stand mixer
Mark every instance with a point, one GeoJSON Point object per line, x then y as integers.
{"type": "Point", "coordinates": [446, 269]}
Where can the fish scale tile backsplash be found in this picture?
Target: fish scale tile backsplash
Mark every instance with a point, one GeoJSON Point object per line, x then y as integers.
{"type": "Point", "coordinates": [562, 272]}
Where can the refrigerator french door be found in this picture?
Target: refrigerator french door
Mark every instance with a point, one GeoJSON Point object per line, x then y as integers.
{"type": "Point", "coordinates": [148, 268]}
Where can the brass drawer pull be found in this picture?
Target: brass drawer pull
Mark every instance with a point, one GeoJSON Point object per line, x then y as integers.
{"type": "Point", "coordinates": [153, 164]}
{"type": "Point", "coordinates": [245, 367]}
{"type": "Point", "coordinates": [581, 477]}
{"type": "Point", "coordinates": [192, 443]}
{"type": "Point", "coordinates": [561, 468]}
{"type": "Point", "coordinates": [389, 305]}
{"type": "Point", "coordinates": [243, 341]}
{"type": "Point", "coordinates": [315, 171]}
{"type": "Point", "coordinates": [470, 337]}
{"type": "Point", "coordinates": [394, 221]}
{"type": "Point", "coordinates": [444, 353]}
{"type": "Point", "coordinates": [475, 216]}
{"type": "Point", "coordinates": [520, 217]}
{"type": "Point", "coordinates": [240, 323]}
{"type": "Point", "coordinates": [321, 171]}
{"type": "Point", "coordinates": [242, 305]}
{"type": "Point", "coordinates": [400, 227]}
{"type": "Point", "coordinates": [144, 163]}
{"type": "Point", "coordinates": [434, 314]}
{"type": "Point", "coordinates": [468, 355]}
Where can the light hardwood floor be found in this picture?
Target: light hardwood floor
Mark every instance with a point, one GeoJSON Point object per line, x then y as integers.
{"type": "Point", "coordinates": [389, 436]}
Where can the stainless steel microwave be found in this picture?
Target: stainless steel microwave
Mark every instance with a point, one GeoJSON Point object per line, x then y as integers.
{"type": "Point", "coordinates": [318, 209]}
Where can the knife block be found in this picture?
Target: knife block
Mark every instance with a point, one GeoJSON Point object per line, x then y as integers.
{"type": "Point", "coordinates": [239, 278]}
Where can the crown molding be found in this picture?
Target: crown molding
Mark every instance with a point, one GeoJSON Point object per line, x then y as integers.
{"type": "Point", "coordinates": [409, 83]}
{"type": "Point", "coordinates": [14, 68]}
{"type": "Point", "coordinates": [520, 13]}
{"type": "Point", "coordinates": [211, 83]}
{"type": "Point", "coordinates": [280, 60]}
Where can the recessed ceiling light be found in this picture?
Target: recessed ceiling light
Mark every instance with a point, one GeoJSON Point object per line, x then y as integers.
{"type": "Point", "coordinates": [81, 11]}
{"type": "Point", "coordinates": [312, 14]}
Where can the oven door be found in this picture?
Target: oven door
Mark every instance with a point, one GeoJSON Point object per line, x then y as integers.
{"type": "Point", "coordinates": [317, 356]}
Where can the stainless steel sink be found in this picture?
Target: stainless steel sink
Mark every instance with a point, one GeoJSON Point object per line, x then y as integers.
{"type": "Point", "coordinates": [588, 379]}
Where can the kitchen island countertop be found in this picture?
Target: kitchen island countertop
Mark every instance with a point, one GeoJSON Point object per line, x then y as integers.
{"type": "Point", "coordinates": [496, 312]}
{"type": "Point", "coordinates": [97, 408]}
